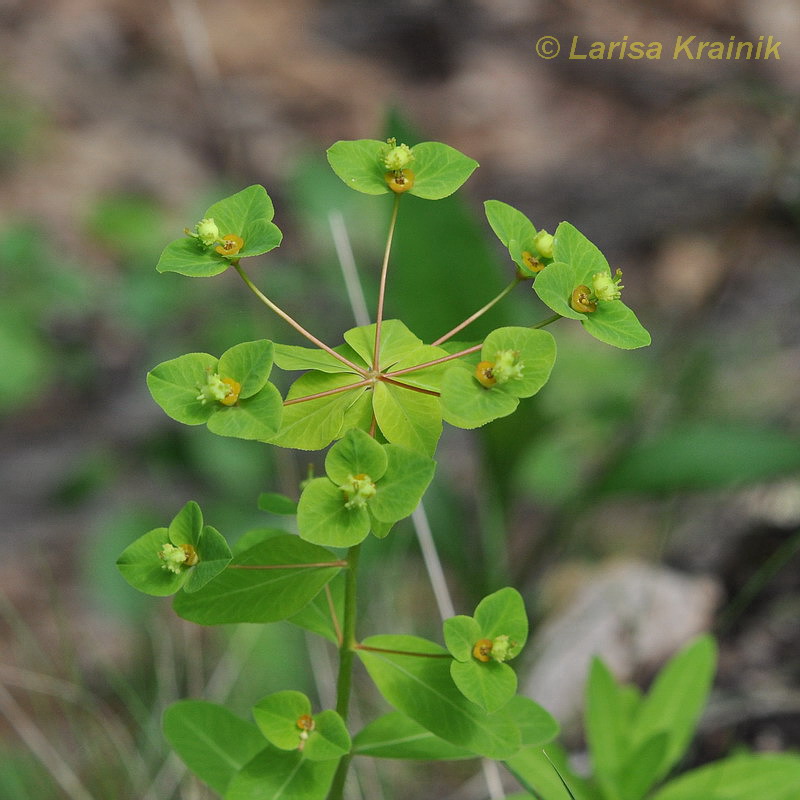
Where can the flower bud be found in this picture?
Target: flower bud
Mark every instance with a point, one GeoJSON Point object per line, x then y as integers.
{"type": "Point", "coordinates": [398, 157]}
{"type": "Point", "coordinates": [607, 288]}
{"type": "Point", "coordinates": [357, 489]}
{"type": "Point", "coordinates": [175, 558]}
{"type": "Point", "coordinates": [507, 366]}
{"type": "Point", "coordinates": [206, 231]}
{"type": "Point", "coordinates": [543, 241]}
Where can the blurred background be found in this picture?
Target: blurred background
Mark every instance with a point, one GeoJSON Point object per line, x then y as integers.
{"type": "Point", "coordinates": [641, 498]}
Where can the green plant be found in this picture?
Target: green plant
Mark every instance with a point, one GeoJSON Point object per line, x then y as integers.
{"type": "Point", "coordinates": [381, 398]}
{"type": "Point", "coordinates": [636, 740]}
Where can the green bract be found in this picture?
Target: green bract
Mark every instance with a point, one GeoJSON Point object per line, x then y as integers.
{"type": "Point", "coordinates": [575, 262]}
{"type": "Point", "coordinates": [482, 644]}
{"type": "Point", "coordinates": [147, 566]}
{"type": "Point", "coordinates": [177, 386]}
{"type": "Point", "coordinates": [466, 403]}
{"type": "Point", "coordinates": [327, 513]}
{"type": "Point", "coordinates": [246, 214]}
{"type": "Point", "coordinates": [517, 233]}
{"type": "Point", "coordinates": [439, 170]}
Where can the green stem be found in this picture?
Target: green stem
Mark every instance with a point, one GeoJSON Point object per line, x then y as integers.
{"type": "Point", "coordinates": [402, 385]}
{"type": "Point", "coordinates": [296, 325]}
{"type": "Point", "coordinates": [346, 657]}
{"type": "Point", "coordinates": [338, 390]}
{"type": "Point", "coordinates": [382, 290]}
{"type": "Point", "coordinates": [480, 312]}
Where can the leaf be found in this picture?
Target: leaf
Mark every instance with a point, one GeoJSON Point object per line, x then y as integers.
{"type": "Point", "coordinates": [276, 503]}
{"type": "Point", "coordinates": [512, 228]}
{"type": "Point", "coordinates": [186, 525]}
{"type": "Point", "coordinates": [313, 424]}
{"type": "Point", "coordinates": [329, 739]}
{"type": "Point", "coordinates": [490, 685]}
{"type": "Point", "coordinates": [261, 595]}
{"type": "Point", "coordinates": [439, 170]}
{"type": "Point", "coordinates": [554, 286]}
{"type": "Point", "coordinates": [294, 357]}
{"type": "Point", "coordinates": [401, 487]}
{"type": "Point", "coordinates": [420, 686]}
{"type": "Point", "coordinates": [214, 555]}
{"type": "Point", "coordinates": [428, 378]}
{"type": "Point", "coordinates": [213, 742]}
{"type": "Point", "coordinates": [536, 725]}
{"type": "Point", "coordinates": [573, 248]}
{"type": "Point", "coordinates": [317, 616]}
{"type": "Point", "coordinates": [407, 417]}
{"type": "Point", "coordinates": [536, 352]}
{"type": "Point", "coordinates": [248, 214]}
{"type": "Point", "coordinates": [741, 777]}
{"type": "Point", "coordinates": [359, 164]}
{"type": "Point", "coordinates": [615, 324]}
{"type": "Point", "coordinates": [538, 770]}
{"type": "Point", "coordinates": [467, 404]}
{"type": "Point", "coordinates": [249, 363]}
{"type": "Point", "coordinates": [642, 768]}
{"type": "Point", "coordinates": [502, 613]}
{"type": "Point", "coordinates": [394, 735]}
{"type": "Point", "coordinates": [322, 517]}
{"type": "Point", "coordinates": [704, 455]}
{"type": "Point", "coordinates": [141, 567]}
{"type": "Point", "coordinates": [279, 775]}
{"type": "Point", "coordinates": [175, 384]}
{"type": "Point", "coordinates": [258, 417]}
{"type": "Point", "coordinates": [460, 635]}
{"type": "Point", "coordinates": [396, 342]}
{"type": "Point", "coordinates": [674, 703]}
{"type": "Point", "coordinates": [356, 453]}
{"type": "Point", "coordinates": [190, 257]}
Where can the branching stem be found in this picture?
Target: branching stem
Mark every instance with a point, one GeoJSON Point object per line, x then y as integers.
{"type": "Point", "coordinates": [291, 321]}
{"type": "Point", "coordinates": [338, 390]}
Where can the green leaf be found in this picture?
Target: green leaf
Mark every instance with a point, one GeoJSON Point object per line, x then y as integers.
{"type": "Point", "coordinates": [276, 503]}
{"type": "Point", "coordinates": [460, 635]}
{"type": "Point", "coordinates": [317, 616]}
{"type": "Point", "coordinates": [467, 404]}
{"type": "Point", "coordinates": [258, 417]}
{"type": "Point", "coordinates": [214, 555]}
{"type": "Point", "coordinates": [536, 725]}
{"type": "Point", "coordinates": [439, 170]}
{"type": "Point", "coordinates": [144, 570]}
{"type": "Point", "coordinates": [554, 286]}
{"type": "Point", "coordinates": [538, 770]}
{"type": "Point", "coordinates": [190, 257]}
{"type": "Point", "coordinates": [674, 703]}
{"type": "Point", "coordinates": [401, 487]}
{"type": "Point", "coordinates": [512, 228]}
{"type": "Point", "coordinates": [249, 363]}
{"type": "Point", "coordinates": [356, 453]}
{"type": "Point", "coordinates": [536, 352]}
{"type": "Point", "coordinates": [502, 613]}
{"type": "Point", "coordinates": [322, 517]}
{"type": "Point", "coordinates": [175, 384]}
{"type": "Point", "coordinates": [254, 594]}
{"type": "Point", "coordinates": [277, 715]}
{"type": "Point", "coordinates": [642, 767]}
{"type": "Point", "coordinates": [573, 248]}
{"type": "Point", "coordinates": [428, 378]}
{"type": "Point", "coordinates": [419, 685]}
{"type": "Point", "coordinates": [615, 324]}
{"type": "Point", "coordinates": [248, 214]}
{"type": "Point", "coordinates": [329, 739]}
{"type": "Point", "coordinates": [294, 357]}
{"type": "Point", "coordinates": [279, 775]}
{"type": "Point", "coordinates": [394, 735]}
{"type": "Point", "coordinates": [213, 742]}
{"type": "Point", "coordinates": [491, 684]}
{"type": "Point", "coordinates": [359, 164]}
{"type": "Point", "coordinates": [187, 525]}
{"type": "Point", "coordinates": [407, 417]}
{"type": "Point", "coordinates": [396, 342]}
{"type": "Point", "coordinates": [742, 777]}
{"type": "Point", "coordinates": [314, 424]}
{"type": "Point", "coordinates": [704, 455]}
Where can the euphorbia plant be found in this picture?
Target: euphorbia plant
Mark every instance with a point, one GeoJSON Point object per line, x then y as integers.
{"type": "Point", "coordinates": [379, 399]}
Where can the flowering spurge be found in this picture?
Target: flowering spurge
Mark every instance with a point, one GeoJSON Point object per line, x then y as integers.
{"type": "Point", "coordinates": [231, 394]}
{"type": "Point", "coordinates": [482, 644]}
{"type": "Point", "coordinates": [237, 227]}
{"type": "Point", "coordinates": [514, 363]}
{"type": "Point", "coordinates": [530, 250]}
{"type": "Point", "coordinates": [286, 721]}
{"type": "Point", "coordinates": [186, 555]}
{"type": "Point", "coordinates": [369, 486]}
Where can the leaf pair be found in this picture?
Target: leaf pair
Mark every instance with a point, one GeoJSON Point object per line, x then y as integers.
{"type": "Point", "coordinates": [369, 486]}
{"type": "Point", "coordinates": [181, 387]}
{"type": "Point", "coordinates": [438, 169]}
{"type": "Point", "coordinates": [145, 563]}
{"type": "Point", "coordinates": [466, 403]}
{"type": "Point", "coordinates": [247, 214]}
{"type": "Point", "coordinates": [575, 262]}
